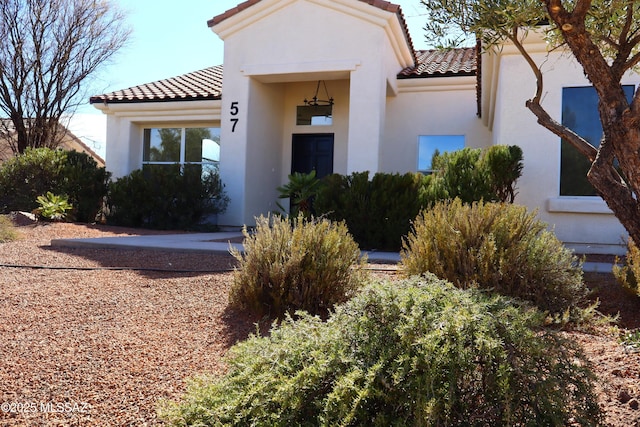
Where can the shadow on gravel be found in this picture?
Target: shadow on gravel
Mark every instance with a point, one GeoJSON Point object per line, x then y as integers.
{"type": "Point", "coordinates": [614, 299]}
{"type": "Point", "coordinates": [148, 263]}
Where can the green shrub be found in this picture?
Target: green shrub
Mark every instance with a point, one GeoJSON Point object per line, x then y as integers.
{"type": "Point", "coordinates": [25, 177]}
{"type": "Point", "coordinates": [628, 274]}
{"type": "Point", "coordinates": [165, 197]}
{"type": "Point", "coordinates": [304, 265]}
{"type": "Point", "coordinates": [377, 212]}
{"type": "Point", "coordinates": [494, 246]}
{"type": "Point", "coordinates": [415, 353]}
{"type": "Point", "coordinates": [475, 174]}
{"type": "Point", "coordinates": [503, 164]}
{"type": "Point", "coordinates": [300, 190]}
{"type": "Point", "coordinates": [7, 230]}
{"type": "Point", "coordinates": [459, 175]}
{"type": "Point", "coordinates": [85, 183]}
{"type": "Point", "coordinates": [53, 207]}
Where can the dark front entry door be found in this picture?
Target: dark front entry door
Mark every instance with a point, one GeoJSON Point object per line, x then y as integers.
{"type": "Point", "coordinates": [312, 152]}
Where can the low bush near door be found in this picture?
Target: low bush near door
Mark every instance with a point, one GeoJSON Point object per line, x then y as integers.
{"type": "Point", "coordinates": [416, 353]}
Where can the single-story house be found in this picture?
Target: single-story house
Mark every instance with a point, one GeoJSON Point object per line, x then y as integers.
{"type": "Point", "coordinates": [337, 86]}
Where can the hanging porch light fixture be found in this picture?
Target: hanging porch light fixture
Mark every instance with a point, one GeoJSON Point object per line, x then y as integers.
{"type": "Point", "coordinates": [315, 101]}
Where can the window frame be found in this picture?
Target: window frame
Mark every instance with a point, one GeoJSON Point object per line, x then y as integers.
{"type": "Point", "coordinates": [147, 132]}
{"type": "Point", "coordinates": [567, 189]}
{"type": "Point", "coordinates": [420, 159]}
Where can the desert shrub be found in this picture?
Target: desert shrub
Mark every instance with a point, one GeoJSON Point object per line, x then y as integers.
{"type": "Point", "coordinates": [627, 275]}
{"type": "Point", "coordinates": [378, 212]}
{"type": "Point", "coordinates": [295, 265]}
{"type": "Point", "coordinates": [7, 230]}
{"type": "Point", "coordinates": [177, 198]}
{"type": "Point", "coordinates": [415, 353]}
{"type": "Point", "coordinates": [494, 246]}
{"type": "Point", "coordinates": [459, 175]}
{"type": "Point", "coordinates": [25, 177]}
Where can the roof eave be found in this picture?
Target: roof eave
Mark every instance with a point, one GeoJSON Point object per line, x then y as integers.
{"type": "Point", "coordinates": [102, 100]}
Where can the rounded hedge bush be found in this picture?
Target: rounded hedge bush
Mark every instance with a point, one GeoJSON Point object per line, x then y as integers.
{"type": "Point", "coordinates": [299, 265]}
{"type": "Point", "coordinates": [416, 353]}
{"type": "Point", "coordinates": [76, 175]}
{"type": "Point", "coordinates": [495, 246]}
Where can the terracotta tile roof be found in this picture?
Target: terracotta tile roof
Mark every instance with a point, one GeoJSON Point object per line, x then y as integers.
{"type": "Point", "coordinates": [437, 63]}
{"type": "Point", "coordinates": [207, 83]}
{"type": "Point", "coordinates": [198, 85]}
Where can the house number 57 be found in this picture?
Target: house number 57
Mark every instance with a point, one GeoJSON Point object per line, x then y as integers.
{"type": "Point", "coordinates": [234, 113]}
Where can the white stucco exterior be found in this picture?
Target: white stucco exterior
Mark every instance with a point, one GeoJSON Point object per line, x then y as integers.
{"type": "Point", "coordinates": [274, 59]}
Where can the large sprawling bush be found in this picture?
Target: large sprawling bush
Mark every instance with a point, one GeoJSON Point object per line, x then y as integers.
{"type": "Point", "coordinates": [496, 246]}
{"type": "Point", "coordinates": [416, 353]}
{"type": "Point", "coordinates": [304, 264]}
{"type": "Point", "coordinates": [64, 173]}
{"type": "Point", "coordinates": [165, 197]}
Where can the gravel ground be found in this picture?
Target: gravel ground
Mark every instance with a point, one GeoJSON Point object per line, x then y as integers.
{"type": "Point", "coordinates": [94, 345]}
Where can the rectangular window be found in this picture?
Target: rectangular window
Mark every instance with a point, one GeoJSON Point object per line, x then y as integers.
{"type": "Point", "coordinates": [314, 115]}
{"type": "Point", "coordinates": [193, 148]}
{"type": "Point", "coordinates": [580, 114]}
{"type": "Point", "coordinates": [428, 145]}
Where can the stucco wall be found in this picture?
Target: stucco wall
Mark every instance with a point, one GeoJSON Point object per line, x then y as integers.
{"type": "Point", "coordinates": [435, 106]}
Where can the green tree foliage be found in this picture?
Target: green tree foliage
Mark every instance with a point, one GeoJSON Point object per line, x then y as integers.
{"type": "Point", "coordinates": [76, 175]}
{"type": "Point", "coordinates": [603, 37]}
{"type": "Point", "coordinates": [415, 353]}
{"type": "Point", "coordinates": [495, 246]}
{"type": "Point", "coordinates": [308, 264]}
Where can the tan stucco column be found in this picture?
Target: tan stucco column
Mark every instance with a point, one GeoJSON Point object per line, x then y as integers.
{"type": "Point", "coordinates": [366, 118]}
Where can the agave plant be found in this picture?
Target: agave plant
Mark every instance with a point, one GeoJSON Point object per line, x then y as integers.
{"type": "Point", "coordinates": [53, 207]}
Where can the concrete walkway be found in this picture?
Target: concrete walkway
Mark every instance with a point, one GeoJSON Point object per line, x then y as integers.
{"type": "Point", "coordinates": [188, 242]}
{"type": "Point", "coordinates": [219, 243]}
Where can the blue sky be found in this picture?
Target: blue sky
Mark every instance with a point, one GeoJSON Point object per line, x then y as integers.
{"type": "Point", "coordinates": [171, 38]}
